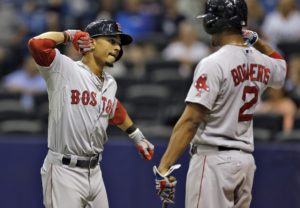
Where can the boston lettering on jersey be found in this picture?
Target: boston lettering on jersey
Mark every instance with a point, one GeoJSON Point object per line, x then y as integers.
{"type": "Point", "coordinates": [255, 72]}
{"type": "Point", "coordinates": [90, 98]}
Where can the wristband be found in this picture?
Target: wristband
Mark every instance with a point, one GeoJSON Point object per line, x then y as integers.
{"type": "Point", "coordinates": [130, 129]}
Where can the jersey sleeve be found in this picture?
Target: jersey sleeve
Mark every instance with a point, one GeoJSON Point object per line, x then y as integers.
{"type": "Point", "coordinates": [206, 84]}
{"type": "Point", "coordinates": [278, 71]}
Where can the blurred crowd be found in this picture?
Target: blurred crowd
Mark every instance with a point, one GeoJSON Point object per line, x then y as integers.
{"type": "Point", "coordinates": [167, 36]}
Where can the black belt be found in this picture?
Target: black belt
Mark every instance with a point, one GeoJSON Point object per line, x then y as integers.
{"type": "Point", "coordinates": [220, 148]}
{"type": "Point", "coordinates": [93, 162]}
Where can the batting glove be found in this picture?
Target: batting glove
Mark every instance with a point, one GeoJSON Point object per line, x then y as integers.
{"type": "Point", "coordinates": [165, 184]}
{"type": "Point", "coordinates": [144, 147]}
{"type": "Point", "coordinates": [250, 37]}
{"type": "Point", "coordinates": [81, 40]}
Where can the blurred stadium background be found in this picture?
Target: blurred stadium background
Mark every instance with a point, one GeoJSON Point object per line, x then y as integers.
{"type": "Point", "coordinates": [153, 78]}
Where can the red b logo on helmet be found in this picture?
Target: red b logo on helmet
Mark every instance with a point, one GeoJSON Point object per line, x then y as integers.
{"type": "Point", "coordinates": [201, 84]}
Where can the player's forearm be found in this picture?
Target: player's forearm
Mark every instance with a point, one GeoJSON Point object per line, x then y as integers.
{"type": "Point", "coordinates": [57, 37]}
{"type": "Point", "coordinates": [264, 47]}
{"type": "Point", "coordinates": [126, 124]}
{"type": "Point", "coordinates": [182, 135]}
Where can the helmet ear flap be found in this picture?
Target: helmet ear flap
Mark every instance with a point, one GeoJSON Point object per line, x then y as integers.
{"type": "Point", "coordinates": [209, 21]}
{"type": "Point", "coordinates": [213, 24]}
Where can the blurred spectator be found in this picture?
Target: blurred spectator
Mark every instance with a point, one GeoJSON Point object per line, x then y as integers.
{"type": "Point", "coordinates": [53, 20]}
{"type": "Point", "coordinates": [187, 49]}
{"type": "Point", "coordinates": [11, 36]}
{"type": "Point", "coordinates": [256, 15]}
{"type": "Point", "coordinates": [170, 18]}
{"type": "Point", "coordinates": [282, 25]}
{"type": "Point", "coordinates": [278, 102]}
{"type": "Point", "coordinates": [26, 81]}
{"type": "Point", "coordinates": [191, 8]}
{"type": "Point", "coordinates": [293, 81]}
{"type": "Point", "coordinates": [79, 13]}
{"type": "Point", "coordinates": [139, 20]}
{"type": "Point", "coordinates": [107, 9]}
{"type": "Point", "coordinates": [34, 18]}
{"type": "Point", "coordinates": [136, 55]}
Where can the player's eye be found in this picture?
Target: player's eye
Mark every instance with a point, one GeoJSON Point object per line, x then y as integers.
{"type": "Point", "coordinates": [114, 41]}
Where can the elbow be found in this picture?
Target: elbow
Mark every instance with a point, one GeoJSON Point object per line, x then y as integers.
{"type": "Point", "coordinates": [42, 50]}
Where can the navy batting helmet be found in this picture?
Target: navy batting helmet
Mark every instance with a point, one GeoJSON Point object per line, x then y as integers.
{"type": "Point", "coordinates": [104, 27]}
{"type": "Point", "coordinates": [224, 14]}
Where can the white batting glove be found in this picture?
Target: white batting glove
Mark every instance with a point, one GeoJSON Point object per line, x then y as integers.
{"type": "Point", "coordinates": [250, 37]}
{"type": "Point", "coordinates": [144, 147]}
{"type": "Point", "coordinates": [81, 40]}
{"type": "Point", "coordinates": [165, 184]}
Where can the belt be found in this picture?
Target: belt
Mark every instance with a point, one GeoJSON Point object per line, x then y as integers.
{"type": "Point", "coordinates": [194, 149]}
{"type": "Point", "coordinates": [93, 162]}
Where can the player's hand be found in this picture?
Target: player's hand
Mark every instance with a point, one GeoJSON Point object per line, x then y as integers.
{"type": "Point", "coordinates": [81, 40]}
{"type": "Point", "coordinates": [165, 184]}
{"type": "Point", "coordinates": [144, 147]}
{"type": "Point", "coordinates": [250, 36]}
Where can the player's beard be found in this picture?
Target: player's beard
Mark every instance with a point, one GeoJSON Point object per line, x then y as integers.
{"type": "Point", "coordinates": [109, 64]}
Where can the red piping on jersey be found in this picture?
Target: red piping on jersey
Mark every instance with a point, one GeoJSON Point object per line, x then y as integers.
{"type": "Point", "coordinates": [277, 55]}
{"type": "Point", "coordinates": [200, 188]}
{"type": "Point", "coordinates": [42, 50]}
{"type": "Point", "coordinates": [120, 115]}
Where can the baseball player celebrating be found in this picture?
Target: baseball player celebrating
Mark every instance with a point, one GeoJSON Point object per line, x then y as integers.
{"type": "Point", "coordinates": [218, 118]}
{"type": "Point", "coordinates": [82, 103]}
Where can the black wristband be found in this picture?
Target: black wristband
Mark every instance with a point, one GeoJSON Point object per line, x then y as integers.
{"type": "Point", "coordinates": [130, 129]}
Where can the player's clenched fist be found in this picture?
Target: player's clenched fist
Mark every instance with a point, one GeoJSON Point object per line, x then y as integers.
{"type": "Point", "coordinates": [81, 40]}
{"type": "Point", "coordinates": [145, 148]}
{"type": "Point", "coordinates": [250, 36]}
{"type": "Point", "coordinates": [165, 184]}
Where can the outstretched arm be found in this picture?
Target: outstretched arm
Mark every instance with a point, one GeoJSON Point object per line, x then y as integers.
{"type": "Point", "coordinates": [123, 121]}
{"type": "Point", "coordinates": [183, 133]}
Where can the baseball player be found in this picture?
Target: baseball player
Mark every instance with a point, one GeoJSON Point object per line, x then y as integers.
{"type": "Point", "coordinates": [218, 118]}
{"type": "Point", "coordinates": [82, 104]}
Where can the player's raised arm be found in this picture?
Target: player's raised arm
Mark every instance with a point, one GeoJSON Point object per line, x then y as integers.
{"type": "Point", "coordinates": [252, 38]}
{"type": "Point", "coordinates": [42, 47]}
{"type": "Point", "coordinates": [122, 120]}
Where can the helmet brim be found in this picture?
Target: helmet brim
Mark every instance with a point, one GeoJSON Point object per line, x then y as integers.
{"type": "Point", "coordinates": [125, 38]}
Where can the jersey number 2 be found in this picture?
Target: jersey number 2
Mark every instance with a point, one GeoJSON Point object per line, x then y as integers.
{"type": "Point", "coordinates": [248, 104]}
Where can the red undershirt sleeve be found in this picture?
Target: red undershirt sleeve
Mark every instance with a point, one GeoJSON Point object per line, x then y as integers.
{"type": "Point", "coordinates": [277, 55]}
{"type": "Point", "coordinates": [42, 50]}
{"type": "Point", "coordinates": [120, 115]}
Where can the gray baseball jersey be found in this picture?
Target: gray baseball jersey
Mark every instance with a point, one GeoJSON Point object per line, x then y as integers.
{"type": "Point", "coordinates": [80, 106]}
{"type": "Point", "coordinates": [229, 83]}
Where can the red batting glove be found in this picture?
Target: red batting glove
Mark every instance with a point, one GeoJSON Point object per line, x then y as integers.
{"type": "Point", "coordinates": [165, 184]}
{"type": "Point", "coordinates": [144, 147]}
{"type": "Point", "coordinates": [250, 36]}
{"type": "Point", "coordinates": [81, 40]}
